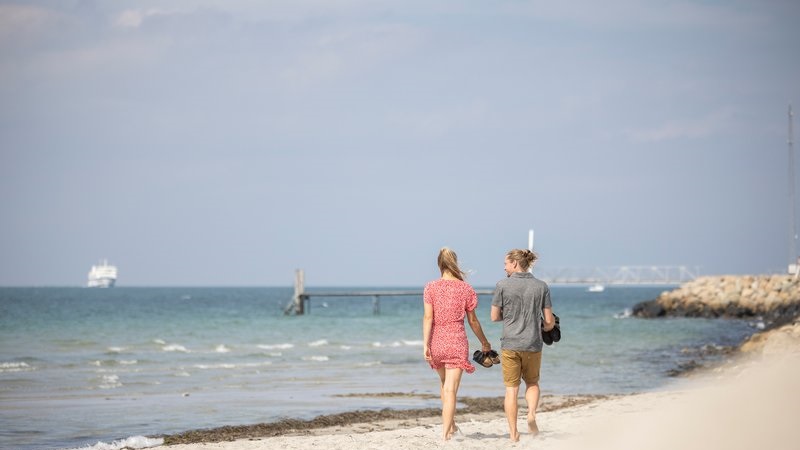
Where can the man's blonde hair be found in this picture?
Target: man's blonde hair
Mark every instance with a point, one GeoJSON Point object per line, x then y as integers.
{"type": "Point", "coordinates": [525, 258]}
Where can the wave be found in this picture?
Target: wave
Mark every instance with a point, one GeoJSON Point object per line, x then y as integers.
{"type": "Point", "coordinates": [114, 362]}
{"type": "Point", "coordinates": [134, 442]}
{"type": "Point", "coordinates": [222, 349]}
{"type": "Point", "coordinates": [6, 367]}
{"type": "Point", "coordinates": [231, 366]}
{"type": "Point", "coordinates": [318, 343]}
{"type": "Point", "coordinates": [316, 358]}
{"type": "Point", "coordinates": [369, 364]}
{"type": "Point", "coordinates": [175, 348]}
{"type": "Point", "coordinates": [110, 382]}
{"type": "Point", "coordinates": [116, 350]}
{"type": "Point", "coordinates": [263, 354]}
{"type": "Point", "coordinates": [393, 344]}
{"type": "Point", "coordinates": [215, 366]}
{"type": "Point", "coordinates": [276, 346]}
{"type": "Point", "coordinates": [624, 314]}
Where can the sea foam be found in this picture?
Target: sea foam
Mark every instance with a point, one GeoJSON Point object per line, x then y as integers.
{"type": "Point", "coordinates": [131, 442]}
{"type": "Point", "coordinates": [276, 346]}
{"type": "Point", "coordinates": [624, 314]}
{"type": "Point", "coordinates": [110, 382]}
{"type": "Point", "coordinates": [175, 348]}
{"type": "Point", "coordinates": [14, 367]}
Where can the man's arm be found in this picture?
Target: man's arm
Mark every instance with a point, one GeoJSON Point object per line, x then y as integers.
{"type": "Point", "coordinates": [549, 320]}
{"type": "Point", "coordinates": [497, 314]}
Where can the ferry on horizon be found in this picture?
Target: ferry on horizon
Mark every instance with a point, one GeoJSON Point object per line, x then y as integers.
{"type": "Point", "coordinates": [597, 287]}
{"type": "Point", "coordinates": [102, 276]}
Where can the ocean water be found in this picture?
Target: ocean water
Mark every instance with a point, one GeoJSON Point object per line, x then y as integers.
{"type": "Point", "coordinates": [81, 366]}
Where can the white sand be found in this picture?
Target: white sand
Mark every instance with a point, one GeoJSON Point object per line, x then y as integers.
{"type": "Point", "coordinates": [752, 405]}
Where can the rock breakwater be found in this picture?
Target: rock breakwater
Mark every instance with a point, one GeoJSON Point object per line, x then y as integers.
{"type": "Point", "coordinates": [775, 299]}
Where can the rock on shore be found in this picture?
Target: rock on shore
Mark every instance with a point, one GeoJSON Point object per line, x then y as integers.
{"type": "Point", "coordinates": [773, 298]}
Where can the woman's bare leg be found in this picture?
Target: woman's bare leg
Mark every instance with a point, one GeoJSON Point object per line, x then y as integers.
{"type": "Point", "coordinates": [452, 380]}
{"type": "Point", "coordinates": [442, 376]}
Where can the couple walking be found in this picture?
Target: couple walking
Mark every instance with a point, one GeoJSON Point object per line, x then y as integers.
{"type": "Point", "coordinates": [520, 301]}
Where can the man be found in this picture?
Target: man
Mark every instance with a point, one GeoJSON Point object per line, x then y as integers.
{"type": "Point", "coordinates": [522, 302]}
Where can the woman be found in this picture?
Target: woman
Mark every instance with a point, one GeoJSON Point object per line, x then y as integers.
{"type": "Point", "coordinates": [446, 302]}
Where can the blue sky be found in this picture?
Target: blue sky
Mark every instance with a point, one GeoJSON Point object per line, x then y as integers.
{"type": "Point", "coordinates": [228, 143]}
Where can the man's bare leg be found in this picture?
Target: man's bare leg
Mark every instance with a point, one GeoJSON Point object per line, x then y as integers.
{"type": "Point", "coordinates": [510, 406]}
{"type": "Point", "coordinates": [532, 398]}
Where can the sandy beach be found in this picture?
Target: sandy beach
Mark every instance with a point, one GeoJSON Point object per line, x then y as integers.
{"type": "Point", "coordinates": [751, 401]}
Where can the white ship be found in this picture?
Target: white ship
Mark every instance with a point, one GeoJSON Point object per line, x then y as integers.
{"type": "Point", "coordinates": [102, 276]}
{"type": "Point", "coordinates": [597, 287]}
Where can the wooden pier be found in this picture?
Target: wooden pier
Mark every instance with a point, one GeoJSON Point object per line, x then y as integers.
{"type": "Point", "coordinates": [301, 300]}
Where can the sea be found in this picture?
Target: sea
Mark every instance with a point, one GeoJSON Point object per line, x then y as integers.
{"type": "Point", "coordinates": [104, 368]}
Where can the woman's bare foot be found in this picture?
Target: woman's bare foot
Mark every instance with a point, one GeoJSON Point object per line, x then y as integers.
{"type": "Point", "coordinates": [451, 431]}
{"type": "Point", "coordinates": [514, 436]}
{"type": "Point", "coordinates": [532, 427]}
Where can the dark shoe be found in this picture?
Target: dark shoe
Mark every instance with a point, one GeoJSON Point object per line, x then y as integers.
{"type": "Point", "coordinates": [494, 357]}
{"type": "Point", "coordinates": [482, 358]}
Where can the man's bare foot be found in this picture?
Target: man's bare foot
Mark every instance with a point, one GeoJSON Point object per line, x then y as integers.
{"type": "Point", "coordinates": [532, 427]}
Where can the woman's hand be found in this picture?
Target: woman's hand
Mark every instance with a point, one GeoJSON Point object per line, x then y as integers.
{"type": "Point", "coordinates": [427, 353]}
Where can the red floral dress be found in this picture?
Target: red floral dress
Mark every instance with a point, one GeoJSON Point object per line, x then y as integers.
{"type": "Point", "coordinates": [451, 299]}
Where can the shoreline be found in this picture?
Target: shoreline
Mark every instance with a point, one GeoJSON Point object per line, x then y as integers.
{"type": "Point", "coordinates": [779, 339]}
{"type": "Point", "coordinates": [487, 411]}
{"type": "Point", "coordinates": [752, 403]}
{"type": "Point", "coordinates": [748, 401]}
{"type": "Point", "coordinates": [769, 354]}
{"type": "Point", "coordinates": [470, 408]}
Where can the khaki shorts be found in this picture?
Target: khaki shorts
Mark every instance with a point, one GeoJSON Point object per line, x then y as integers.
{"type": "Point", "coordinates": [518, 365]}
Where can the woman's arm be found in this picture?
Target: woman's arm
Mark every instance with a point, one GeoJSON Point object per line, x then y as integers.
{"type": "Point", "coordinates": [475, 324]}
{"type": "Point", "coordinates": [427, 324]}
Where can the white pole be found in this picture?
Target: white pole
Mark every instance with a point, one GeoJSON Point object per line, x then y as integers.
{"type": "Point", "coordinates": [792, 215]}
{"type": "Point", "coordinates": [530, 246]}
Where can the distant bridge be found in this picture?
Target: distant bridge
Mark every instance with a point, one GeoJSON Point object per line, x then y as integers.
{"type": "Point", "coordinates": [617, 275]}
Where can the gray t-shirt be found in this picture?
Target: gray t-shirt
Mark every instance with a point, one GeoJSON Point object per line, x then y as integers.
{"type": "Point", "coordinates": [522, 297]}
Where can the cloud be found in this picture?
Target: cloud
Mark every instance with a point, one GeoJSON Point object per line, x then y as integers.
{"type": "Point", "coordinates": [133, 18]}
{"type": "Point", "coordinates": [443, 120]}
{"type": "Point", "coordinates": [348, 49]}
{"type": "Point", "coordinates": [643, 13]}
{"type": "Point", "coordinates": [22, 25]}
{"type": "Point", "coordinates": [696, 128]}
{"type": "Point", "coordinates": [22, 18]}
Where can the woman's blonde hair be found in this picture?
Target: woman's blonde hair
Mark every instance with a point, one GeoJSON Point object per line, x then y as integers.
{"type": "Point", "coordinates": [525, 258]}
{"type": "Point", "coordinates": [448, 262]}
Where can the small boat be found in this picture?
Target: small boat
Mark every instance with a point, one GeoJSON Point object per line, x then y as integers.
{"type": "Point", "coordinates": [597, 287]}
{"type": "Point", "coordinates": [103, 275]}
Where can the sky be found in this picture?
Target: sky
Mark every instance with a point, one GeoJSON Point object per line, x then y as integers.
{"type": "Point", "coordinates": [229, 143]}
